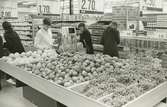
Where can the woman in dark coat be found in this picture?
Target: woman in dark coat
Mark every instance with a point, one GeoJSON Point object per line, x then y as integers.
{"type": "Point", "coordinates": [1, 47]}
{"type": "Point", "coordinates": [85, 38]}
{"type": "Point", "coordinates": [13, 42]}
{"type": "Point", "coordinates": [110, 40]}
{"type": "Point", "coordinates": [1, 55]}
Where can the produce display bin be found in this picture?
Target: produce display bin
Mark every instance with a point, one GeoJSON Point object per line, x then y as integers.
{"type": "Point", "coordinates": [72, 98]}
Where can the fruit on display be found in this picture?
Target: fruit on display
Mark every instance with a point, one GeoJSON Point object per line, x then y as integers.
{"type": "Point", "coordinates": [65, 69]}
{"type": "Point", "coordinates": [124, 79]}
{"type": "Point", "coordinates": [69, 69]}
{"type": "Point", "coordinates": [28, 57]}
{"type": "Point", "coordinates": [123, 96]}
{"type": "Point", "coordinates": [127, 80]}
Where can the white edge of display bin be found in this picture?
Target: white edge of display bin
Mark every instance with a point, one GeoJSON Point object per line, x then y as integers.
{"type": "Point", "coordinates": [52, 90]}
{"type": "Point", "coordinates": [150, 98]}
{"type": "Point", "coordinates": [78, 85]}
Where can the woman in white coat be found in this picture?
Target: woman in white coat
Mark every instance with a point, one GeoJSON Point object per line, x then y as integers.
{"type": "Point", "coordinates": [43, 39]}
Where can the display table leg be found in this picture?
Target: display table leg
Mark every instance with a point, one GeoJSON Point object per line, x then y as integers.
{"type": "Point", "coordinates": [39, 99]}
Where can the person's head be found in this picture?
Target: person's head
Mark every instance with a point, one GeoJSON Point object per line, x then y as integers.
{"type": "Point", "coordinates": [114, 25]}
{"type": "Point", "coordinates": [81, 27]}
{"type": "Point", "coordinates": [46, 23]}
{"type": "Point", "coordinates": [7, 26]}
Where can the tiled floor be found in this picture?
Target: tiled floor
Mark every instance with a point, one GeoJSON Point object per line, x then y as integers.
{"type": "Point", "coordinates": [12, 97]}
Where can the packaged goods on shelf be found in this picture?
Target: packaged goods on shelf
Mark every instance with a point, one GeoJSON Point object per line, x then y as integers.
{"type": "Point", "coordinates": [23, 28]}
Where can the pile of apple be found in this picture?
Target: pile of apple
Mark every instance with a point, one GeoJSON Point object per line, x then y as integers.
{"type": "Point", "coordinates": [28, 57]}
{"type": "Point", "coordinates": [68, 69]}
{"type": "Point", "coordinates": [65, 69]}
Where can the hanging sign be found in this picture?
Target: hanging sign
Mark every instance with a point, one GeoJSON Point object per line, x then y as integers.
{"type": "Point", "coordinates": [154, 5]}
{"type": "Point", "coordinates": [49, 7]}
{"type": "Point", "coordinates": [8, 8]}
{"type": "Point", "coordinates": [92, 6]}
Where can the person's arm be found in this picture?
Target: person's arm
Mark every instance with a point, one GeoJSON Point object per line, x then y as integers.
{"type": "Point", "coordinates": [9, 42]}
{"type": "Point", "coordinates": [20, 46]}
{"type": "Point", "coordinates": [37, 40]}
{"type": "Point", "coordinates": [82, 40]}
{"type": "Point", "coordinates": [59, 36]}
{"type": "Point", "coordinates": [1, 47]}
{"type": "Point", "coordinates": [102, 39]}
{"type": "Point", "coordinates": [118, 37]}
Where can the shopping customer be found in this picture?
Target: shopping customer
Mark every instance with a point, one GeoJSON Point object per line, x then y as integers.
{"type": "Point", "coordinates": [110, 40]}
{"type": "Point", "coordinates": [1, 47]}
{"type": "Point", "coordinates": [13, 42]}
{"type": "Point", "coordinates": [12, 45]}
{"type": "Point", "coordinates": [43, 39]}
{"type": "Point", "coordinates": [1, 55]}
{"type": "Point", "coordinates": [85, 38]}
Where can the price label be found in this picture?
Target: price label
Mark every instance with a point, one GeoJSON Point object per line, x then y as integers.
{"type": "Point", "coordinates": [5, 14]}
{"type": "Point", "coordinates": [44, 9]}
{"type": "Point", "coordinates": [92, 6]}
{"type": "Point", "coordinates": [8, 8]}
{"type": "Point", "coordinates": [49, 7]}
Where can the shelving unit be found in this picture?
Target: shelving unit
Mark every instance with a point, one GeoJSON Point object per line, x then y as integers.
{"type": "Point", "coordinates": [24, 30]}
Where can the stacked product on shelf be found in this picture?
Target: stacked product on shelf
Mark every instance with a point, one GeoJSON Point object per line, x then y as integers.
{"type": "Point", "coordinates": [143, 43]}
{"type": "Point", "coordinates": [156, 23]}
{"type": "Point", "coordinates": [24, 30]}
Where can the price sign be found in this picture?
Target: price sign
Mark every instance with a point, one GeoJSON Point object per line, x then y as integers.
{"type": "Point", "coordinates": [5, 14]}
{"type": "Point", "coordinates": [49, 7]}
{"type": "Point", "coordinates": [92, 6]}
{"type": "Point", "coordinates": [8, 8]}
{"type": "Point", "coordinates": [153, 3]}
{"type": "Point", "coordinates": [44, 9]}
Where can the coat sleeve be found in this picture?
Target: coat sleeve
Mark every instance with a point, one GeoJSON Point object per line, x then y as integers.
{"type": "Point", "coordinates": [1, 47]}
{"type": "Point", "coordinates": [82, 40]}
{"type": "Point", "coordinates": [9, 42]}
{"type": "Point", "coordinates": [118, 37]}
{"type": "Point", "coordinates": [102, 38]}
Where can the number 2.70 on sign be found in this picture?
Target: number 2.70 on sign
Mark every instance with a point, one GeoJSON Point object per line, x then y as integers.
{"type": "Point", "coordinates": [88, 5]}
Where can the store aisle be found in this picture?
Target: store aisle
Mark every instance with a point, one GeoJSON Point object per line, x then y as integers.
{"type": "Point", "coordinates": [12, 97]}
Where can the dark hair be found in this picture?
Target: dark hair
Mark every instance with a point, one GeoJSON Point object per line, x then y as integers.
{"type": "Point", "coordinates": [7, 26]}
{"type": "Point", "coordinates": [81, 25]}
{"type": "Point", "coordinates": [47, 21]}
{"type": "Point", "coordinates": [115, 23]}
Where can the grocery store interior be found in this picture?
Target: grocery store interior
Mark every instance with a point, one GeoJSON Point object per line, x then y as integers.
{"type": "Point", "coordinates": [83, 53]}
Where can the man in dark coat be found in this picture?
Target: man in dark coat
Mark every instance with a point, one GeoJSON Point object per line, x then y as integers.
{"type": "Point", "coordinates": [13, 42]}
{"type": "Point", "coordinates": [110, 40]}
{"type": "Point", "coordinates": [85, 38]}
